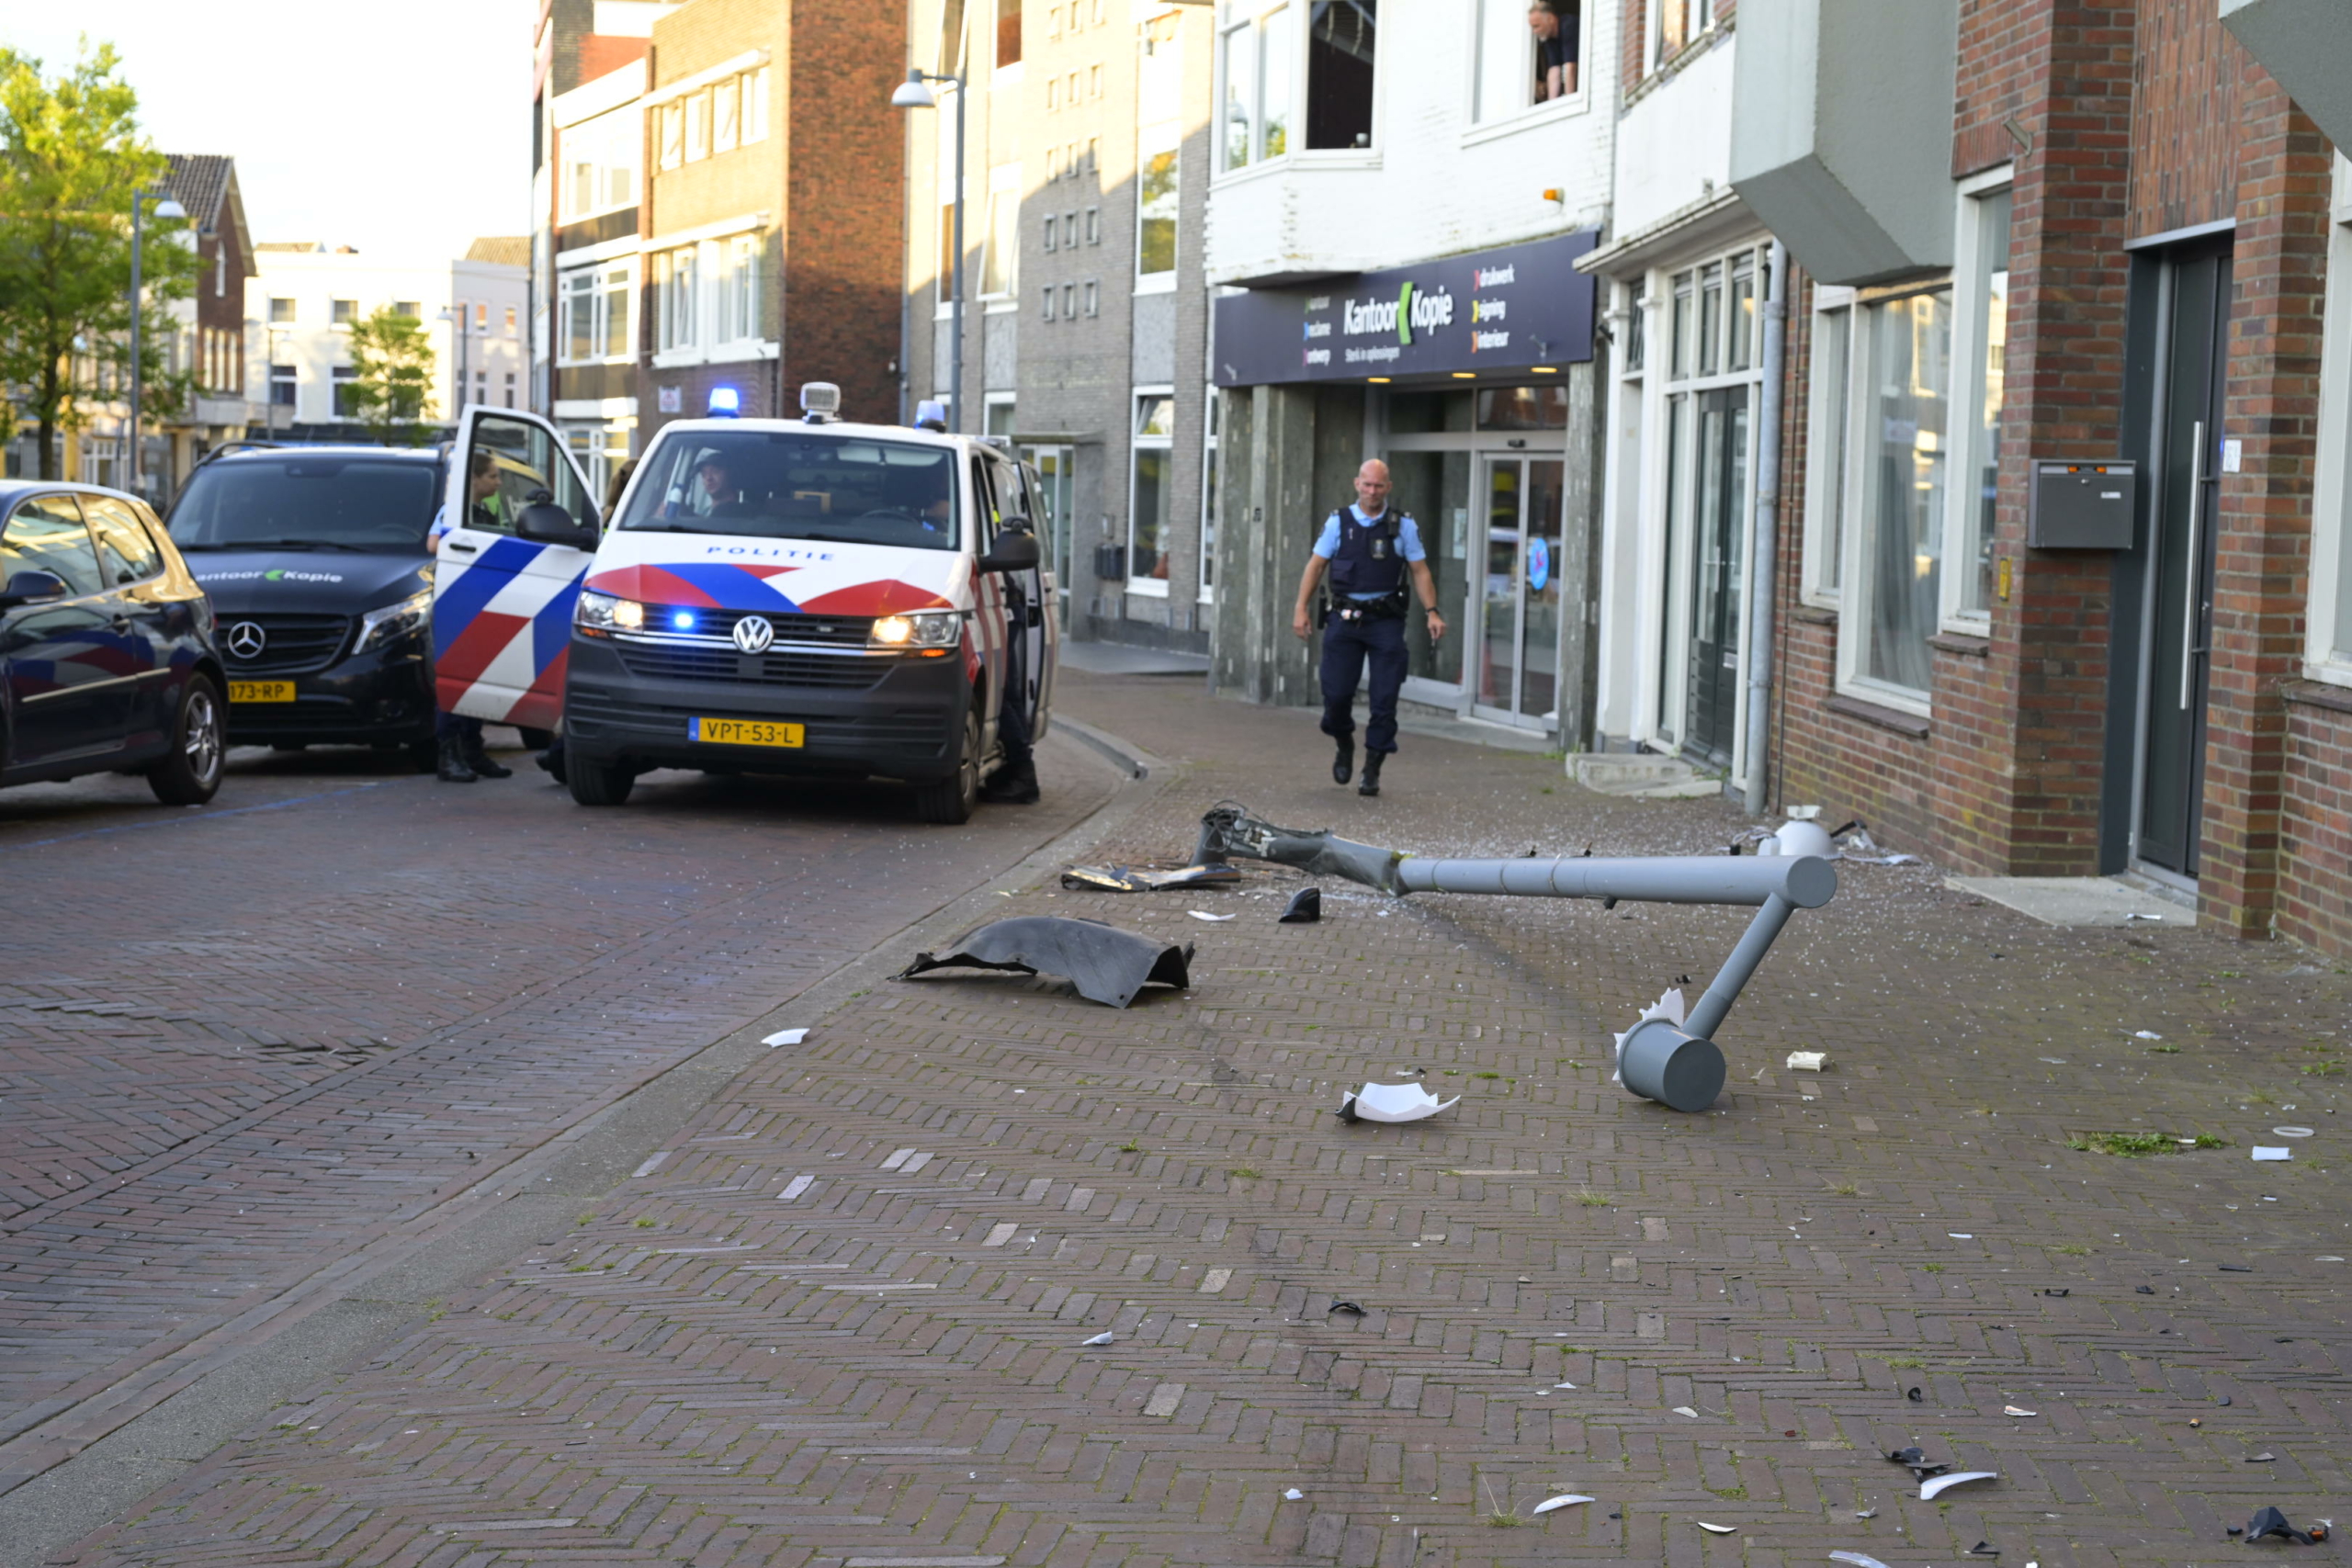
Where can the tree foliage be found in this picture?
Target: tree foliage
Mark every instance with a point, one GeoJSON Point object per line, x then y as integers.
{"type": "Point", "coordinates": [391, 388]}
{"type": "Point", "coordinates": [71, 161]}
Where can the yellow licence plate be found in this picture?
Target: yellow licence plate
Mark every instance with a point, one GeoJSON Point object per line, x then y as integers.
{"type": "Point", "coordinates": [744, 732]}
{"type": "Point", "coordinates": [261, 691]}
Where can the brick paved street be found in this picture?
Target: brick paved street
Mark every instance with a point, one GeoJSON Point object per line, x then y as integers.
{"type": "Point", "coordinates": [836, 1319]}
{"type": "Point", "coordinates": [244, 1044]}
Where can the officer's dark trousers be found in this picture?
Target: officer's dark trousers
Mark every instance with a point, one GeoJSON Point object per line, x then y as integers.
{"type": "Point", "coordinates": [1347, 647]}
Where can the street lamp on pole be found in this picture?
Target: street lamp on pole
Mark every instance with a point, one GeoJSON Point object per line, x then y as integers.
{"type": "Point", "coordinates": [166, 209]}
{"type": "Point", "coordinates": [912, 94]}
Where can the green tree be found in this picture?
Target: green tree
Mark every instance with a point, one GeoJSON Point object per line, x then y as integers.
{"type": "Point", "coordinates": [391, 389]}
{"type": "Point", "coordinates": [71, 161]}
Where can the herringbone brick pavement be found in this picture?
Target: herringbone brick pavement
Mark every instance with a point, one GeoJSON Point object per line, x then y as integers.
{"type": "Point", "coordinates": [840, 1322]}
{"type": "Point", "coordinates": [238, 1045]}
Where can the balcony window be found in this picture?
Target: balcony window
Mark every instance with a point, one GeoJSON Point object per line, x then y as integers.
{"type": "Point", "coordinates": [1527, 55]}
{"type": "Point", "coordinates": [1257, 60]}
{"type": "Point", "coordinates": [1679, 24]}
{"type": "Point", "coordinates": [1156, 203]}
{"type": "Point", "coordinates": [1341, 39]}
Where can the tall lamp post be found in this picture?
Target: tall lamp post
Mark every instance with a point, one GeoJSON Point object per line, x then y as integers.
{"type": "Point", "coordinates": [165, 208]}
{"type": "Point", "coordinates": [913, 94]}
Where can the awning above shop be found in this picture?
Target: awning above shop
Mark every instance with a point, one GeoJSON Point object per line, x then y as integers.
{"type": "Point", "coordinates": [2306, 45]}
{"type": "Point", "coordinates": [1842, 130]}
{"type": "Point", "coordinates": [1511, 311]}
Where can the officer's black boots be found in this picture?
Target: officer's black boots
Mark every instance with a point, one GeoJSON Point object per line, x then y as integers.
{"type": "Point", "coordinates": [484, 765]}
{"type": "Point", "coordinates": [454, 768]}
{"type": "Point", "coordinates": [1343, 764]}
{"type": "Point", "coordinates": [1371, 760]}
{"type": "Point", "coordinates": [1012, 784]}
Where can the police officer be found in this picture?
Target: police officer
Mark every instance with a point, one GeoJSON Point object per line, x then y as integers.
{"type": "Point", "coordinates": [1366, 548]}
{"type": "Point", "coordinates": [464, 757]}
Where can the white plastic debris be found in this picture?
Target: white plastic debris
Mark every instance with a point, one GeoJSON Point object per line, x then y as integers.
{"type": "Point", "coordinates": [1686, 1410]}
{"type": "Point", "coordinates": [1392, 1104]}
{"type": "Point", "coordinates": [1808, 1061]}
{"type": "Point", "coordinates": [1962, 1235]}
{"type": "Point", "coordinates": [2014, 1410]}
{"type": "Point", "coordinates": [1213, 920]}
{"type": "Point", "coordinates": [2147, 1034]}
{"type": "Point", "coordinates": [1097, 1340]}
{"type": "Point", "coordinates": [1864, 1560]}
{"type": "Point", "coordinates": [2290, 1131]}
{"type": "Point", "coordinates": [1293, 1495]}
{"type": "Point", "coordinates": [1928, 1489]}
{"type": "Point", "coordinates": [1563, 1386]}
{"type": "Point", "coordinates": [787, 1037]}
{"type": "Point", "coordinates": [1565, 1500]}
{"type": "Point", "coordinates": [1798, 839]}
{"type": "Point", "coordinates": [1718, 1529]}
{"type": "Point", "coordinates": [2268, 1154]}
{"type": "Point", "coordinates": [1669, 1007]}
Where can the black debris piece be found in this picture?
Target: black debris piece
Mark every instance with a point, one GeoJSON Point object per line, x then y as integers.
{"type": "Point", "coordinates": [1304, 908]}
{"type": "Point", "coordinates": [2224, 1399]}
{"type": "Point", "coordinates": [2143, 1289]}
{"type": "Point", "coordinates": [1915, 1396]}
{"type": "Point", "coordinates": [2237, 1267]}
{"type": "Point", "coordinates": [1984, 1549]}
{"type": "Point", "coordinates": [1349, 1307]}
{"type": "Point", "coordinates": [2261, 1459]}
{"type": "Point", "coordinates": [1143, 879]}
{"type": "Point", "coordinates": [2271, 1522]}
{"type": "Point", "coordinates": [1918, 1462]}
{"type": "Point", "coordinates": [2282, 1339]}
{"type": "Point", "coordinates": [2235, 1531]}
{"type": "Point", "coordinates": [2069, 1291]}
{"type": "Point", "coordinates": [1684, 980]}
{"type": "Point", "coordinates": [1105, 964]}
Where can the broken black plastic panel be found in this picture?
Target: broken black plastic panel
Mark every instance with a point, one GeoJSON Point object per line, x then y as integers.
{"type": "Point", "coordinates": [1105, 964]}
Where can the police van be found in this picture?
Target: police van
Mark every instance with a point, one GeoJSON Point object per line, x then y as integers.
{"type": "Point", "coordinates": [804, 597]}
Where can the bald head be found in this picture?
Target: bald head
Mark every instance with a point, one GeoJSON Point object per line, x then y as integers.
{"type": "Point", "coordinates": [1372, 486]}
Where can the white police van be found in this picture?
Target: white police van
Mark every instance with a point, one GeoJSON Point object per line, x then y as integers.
{"type": "Point", "coordinates": [807, 597]}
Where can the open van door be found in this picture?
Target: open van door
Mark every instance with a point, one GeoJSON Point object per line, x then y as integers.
{"type": "Point", "coordinates": [517, 533]}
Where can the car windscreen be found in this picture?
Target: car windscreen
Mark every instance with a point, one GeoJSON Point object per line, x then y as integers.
{"type": "Point", "coordinates": [353, 503]}
{"type": "Point", "coordinates": [787, 484]}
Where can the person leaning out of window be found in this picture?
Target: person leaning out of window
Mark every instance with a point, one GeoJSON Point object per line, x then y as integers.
{"type": "Point", "coordinates": [1556, 29]}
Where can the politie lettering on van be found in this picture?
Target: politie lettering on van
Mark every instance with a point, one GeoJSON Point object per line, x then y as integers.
{"type": "Point", "coordinates": [813, 598]}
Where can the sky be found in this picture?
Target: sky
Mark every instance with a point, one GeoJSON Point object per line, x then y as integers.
{"type": "Point", "coordinates": [403, 130]}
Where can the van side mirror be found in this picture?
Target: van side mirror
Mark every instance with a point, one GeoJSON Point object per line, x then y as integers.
{"type": "Point", "coordinates": [1013, 552]}
{"type": "Point", "coordinates": [31, 588]}
{"type": "Point", "coordinates": [545, 523]}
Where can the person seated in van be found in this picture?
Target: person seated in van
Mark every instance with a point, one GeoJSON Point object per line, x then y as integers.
{"type": "Point", "coordinates": [721, 496]}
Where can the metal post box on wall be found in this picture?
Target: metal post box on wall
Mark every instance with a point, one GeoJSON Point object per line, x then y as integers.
{"type": "Point", "coordinates": [2082, 506]}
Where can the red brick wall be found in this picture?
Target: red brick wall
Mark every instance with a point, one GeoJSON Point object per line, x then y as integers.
{"type": "Point", "coordinates": [2189, 74]}
{"type": "Point", "coordinates": [2315, 825]}
{"type": "Point", "coordinates": [2262, 561]}
{"type": "Point", "coordinates": [1632, 43]}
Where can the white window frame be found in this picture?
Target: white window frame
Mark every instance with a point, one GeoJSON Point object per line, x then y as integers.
{"type": "Point", "coordinates": [600, 305]}
{"type": "Point", "coordinates": [1004, 185]}
{"type": "Point", "coordinates": [1968, 392]}
{"type": "Point", "coordinates": [733, 296]}
{"type": "Point", "coordinates": [710, 245]}
{"type": "Point", "coordinates": [1576, 103]}
{"type": "Point", "coordinates": [622, 128]}
{"type": "Point", "coordinates": [1854, 615]}
{"type": "Point", "coordinates": [1149, 587]}
{"type": "Point", "coordinates": [1237, 15]}
{"type": "Point", "coordinates": [2327, 653]}
{"type": "Point", "coordinates": [1829, 401]}
{"type": "Point", "coordinates": [1654, 48]}
{"type": "Point", "coordinates": [1150, 141]}
{"type": "Point", "coordinates": [1204, 546]}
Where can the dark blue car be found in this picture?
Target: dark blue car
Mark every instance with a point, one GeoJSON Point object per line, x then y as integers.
{"type": "Point", "coordinates": [108, 644]}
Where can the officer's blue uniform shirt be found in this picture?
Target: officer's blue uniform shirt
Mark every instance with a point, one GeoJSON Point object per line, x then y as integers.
{"type": "Point", "coordinates": [1409, 540]}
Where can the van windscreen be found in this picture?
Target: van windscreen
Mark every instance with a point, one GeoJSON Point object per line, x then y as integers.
{"type": "Point", "coordinates": [789, 484]}
{"type": "Point", "coordinates": [350, 503]}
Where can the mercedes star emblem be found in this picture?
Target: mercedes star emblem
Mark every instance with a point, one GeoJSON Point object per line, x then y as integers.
{"type": "Point", "coordinates": [246, 639]}
{"type": "Point", "coordinates": [753, 633]}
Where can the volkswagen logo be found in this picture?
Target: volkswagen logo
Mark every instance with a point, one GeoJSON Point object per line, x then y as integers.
{"type": "Point", "coordinates": [246, 639]}
{"type": "Point", "coordinates": [753, 633]}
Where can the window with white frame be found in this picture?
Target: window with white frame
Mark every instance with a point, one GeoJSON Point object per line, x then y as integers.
{"type": "Point", "coordinates": [755, 105]}
{"type": "Point", "coordinates": [1525, 55]}
{"type": "Point", "coordinates": [1981, 327]}
{"type": "Point", "coordinates": [673, 134]}
{"type": "Point", "coordinates": [1209, 500]}
{"type": "Point", "coordinates": [1676, 25]}
{"type": "Point", "coordinates": [1256, 60]}
{"type": "Point", "coordinates": [1151, 493]}
{"type": "Point", "coordinates": [593, 315]}
{"type": "Point", "coordinates": [1831, 420]}
{"type": "Point", "coordinates": [677, 298]}
{"type": "Point", "coordinates": [1342, 39]}
{"type": "Point", "coordinates": [600, 158]}
{"type": "Point", "coordinates": [737, 286]}
{"type": "Point", "coordinates": [697, 126]}
{"type": "Point", "coordinates": [1156, 202]}
{"type": "Point", "coordinates": [1001, 258]}
{"type": "Point", "coordinates": [1276, 58]}
{"type": "Point", "coordinates": [2328, 648]}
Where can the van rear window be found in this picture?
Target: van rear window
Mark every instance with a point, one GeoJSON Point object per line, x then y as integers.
{"type": "Point", "coordinates": [353, 503]}
{"type": "Point", "coordinates": [767, 484]}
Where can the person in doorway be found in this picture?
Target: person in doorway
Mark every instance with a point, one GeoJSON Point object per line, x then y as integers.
{"type": "Point", "coordinates": [464, 758]}
{"type": "Point", "coordinates": [1366, 548]}
{"type": "Point", "coordinates": [1556, 50]}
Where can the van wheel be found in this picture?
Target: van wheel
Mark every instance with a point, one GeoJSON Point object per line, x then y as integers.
{"type": "Point", "coordinates": [190, 773]}
{"type": "Point", "coordinates": [599, 783]}
{"type": "Point", "coordinates": [951, 801]}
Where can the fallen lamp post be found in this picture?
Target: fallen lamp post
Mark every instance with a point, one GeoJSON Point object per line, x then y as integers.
{"type": "Point", "coordinates": [1679, 1066]}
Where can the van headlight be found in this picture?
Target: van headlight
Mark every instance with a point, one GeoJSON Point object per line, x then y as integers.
{"type": "Point", "coordinates": [918, 628]}
{"type": "Point", "coordinates": [381, 629]}
{"type": "Point", "coordinates": [601, 614]}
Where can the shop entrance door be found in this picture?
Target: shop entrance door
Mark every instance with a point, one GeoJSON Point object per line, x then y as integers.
{"type": "Point", "coordinates": [2194, 321]}
{"type": "Point", "coordinates": [1719, 492]}
{"type": "Point", "coordinates": [1518, 636]}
